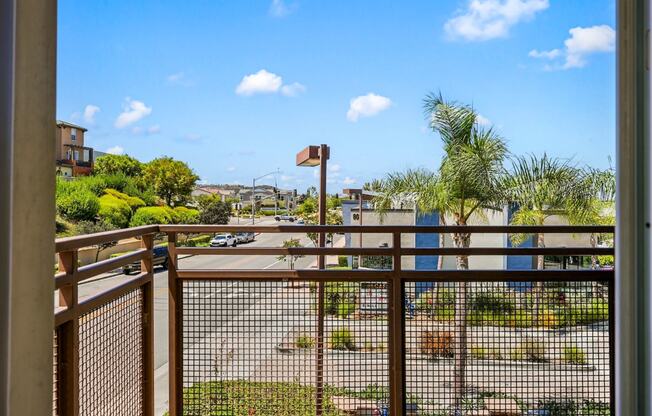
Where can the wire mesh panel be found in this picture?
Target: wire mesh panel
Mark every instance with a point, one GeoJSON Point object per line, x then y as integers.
{"type": "Point", "coordinates": [508, 348]}
{"type": "Point", "coordinates": [248, 348]}
{"type": "Point", "coordinates": [110, 357]}
{"type": "Point", "coordinates": [55, 372]}
{"type": "Point", "coordinates": [356, 346]}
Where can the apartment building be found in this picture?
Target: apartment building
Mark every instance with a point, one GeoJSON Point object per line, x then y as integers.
{"type": "Point", "coordinates": [72, 157]}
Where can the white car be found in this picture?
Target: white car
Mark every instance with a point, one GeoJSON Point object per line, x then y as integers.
{"type": "Point", "coordinates": [224, 240]}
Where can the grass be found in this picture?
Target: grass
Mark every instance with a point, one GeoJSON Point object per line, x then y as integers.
{"type": "Point", "coordinates": [244, 398]}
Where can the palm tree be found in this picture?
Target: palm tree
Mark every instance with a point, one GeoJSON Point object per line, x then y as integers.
{"type": "Point", "coordinates": [468, 181]}
{"type": "Point", "coordinates": [543, 187]}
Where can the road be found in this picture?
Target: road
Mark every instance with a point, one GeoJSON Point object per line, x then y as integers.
{"type": "Point", "coordinates": [246, 294]}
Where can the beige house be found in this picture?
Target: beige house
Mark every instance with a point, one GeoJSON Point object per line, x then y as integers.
{"type": "Point", "coordinates": [72, 157]}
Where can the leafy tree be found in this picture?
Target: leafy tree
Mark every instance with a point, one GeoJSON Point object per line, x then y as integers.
{"type": "Point", "coordinates": [117, 164]}
{"type": "Point", "coordinates": [90, 227]}
{"type": "Point", "coordinates": [307, 207]}
{"type": "Point", "coordinates": [291, 258]}
{"type": "Point", "coordinates": [186, 215]}
{"type": "Point", "coordinates": [468, 181]}
{"type": "Point", "coordinates": [375, 185]}
{"type": "Point", "coordinates": [212, 210]}
{"type": "Point", "coordinates": [172, 180]}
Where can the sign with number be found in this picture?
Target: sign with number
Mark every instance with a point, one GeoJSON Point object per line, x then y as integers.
{"type": "Point", "coordinates": [373, 297]}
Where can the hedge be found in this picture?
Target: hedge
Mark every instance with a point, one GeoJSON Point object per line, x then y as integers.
{"type": "Point", "coordinates": [115, 210]}
{"type": "Point", "coordinates": [151, 215]}
{"type": "Point", "coordinates": [186, 215]}
{"type": "Point", "coordinates": [80, 205]}
{"type": "Point", "coordinates": [133, 201]}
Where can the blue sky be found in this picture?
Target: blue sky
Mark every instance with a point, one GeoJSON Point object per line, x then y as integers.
{"type": "Point", "coordinates": [236, 88]}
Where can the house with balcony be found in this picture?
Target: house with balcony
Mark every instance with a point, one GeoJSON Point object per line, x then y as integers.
{"type": "Point", "coordinates": [73, 158]}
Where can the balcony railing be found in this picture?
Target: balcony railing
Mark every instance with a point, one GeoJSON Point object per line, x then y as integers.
{"type": "Point", "coordinates": [330, 341]}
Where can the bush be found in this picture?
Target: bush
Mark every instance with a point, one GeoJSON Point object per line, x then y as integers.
{"type": "Point", "coordinates": [186, 215]}
{"type": "Point", "coordinates": [200, 241]}
{"type": "Point", "coordinates": [81, 205]}
{"type": "Point", "coordinates": [343, 261]}
{"type": "Point", "coordinates": [115, 211]}
{"type": "Point", "coordinates": [494, 301]}
{"type": "Point", "coordinates": [304, 341]}
{"type": "Point", "coordinates": [531, 349]}
{"type": "Point", "coordinates": [212, 210]}
{"type": "Point", "coordinates": [337, 294]}
{"type": "Point", "coordinates": [437, 343]}
{"type": "Point", "coordinates": [343, 339]}
{"type": "Point", "coordinates": [572, 354]}
{"type": "Point", "coordinates": [151, 215]}
{"type": "Point", "coordinates": [133, 202]}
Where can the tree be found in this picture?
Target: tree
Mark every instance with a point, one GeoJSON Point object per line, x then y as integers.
{"type": "Point", "coordinates": [468, 180]}
{"type": "Point", "coordinates": [212, 210]}
{"type": "Point", "coordinates": [90, 227]}
{"type": "Point", "coordinates": [542, 187]}
{"type": "Point", "coordinates": [291, 258]}
{"type": "Point", "coordinates": [171, 179]}
{"type": "Point", "coordinates": [116, 164]}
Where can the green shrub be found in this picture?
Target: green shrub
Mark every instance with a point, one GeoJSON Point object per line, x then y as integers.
{"type": "Point", "coordinates": [478, 352]}
{"type": "Point", "coordinates": [81, 205]}
{"type": "Point", "coordinates": [342, 339]}
{"type": "Point", "coordinates": [200, 241]}
{"type": "Point", "coordinates": [304, 341]}
{"type": "Point", "coordinates": [343, 261]}
{"type": "Point", "coordinates": [572, 354]}
{"type": "Point", "coordinates": [115, 211]}
{"type": "Point", "coordinates": [344, 309]}
{"type": "Point", "coordinates": [492, 301]}
{"type": "Point", "coordinates": [530, 349]}
{"type": "Point", "coordinates": [133, 202]}
{"type": "Point", "coordinates": [151, 215]}
{"type": "Point", "coordinates": [186, 215]}
{"type": "Point", "coordinates": [337, 293]}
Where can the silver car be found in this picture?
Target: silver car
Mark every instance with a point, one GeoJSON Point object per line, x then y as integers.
{"type": "Point", "coordinates": [245, 237]}
{"type": "Point", "coordinates": [224, 240]}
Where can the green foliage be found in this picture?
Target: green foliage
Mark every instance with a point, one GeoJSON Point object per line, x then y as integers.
{"type": "Point", "coordinates": [172, 180]}
{"type": "Point", "coordinates": [308, 206]}
{"type": "Point", "coordinates": [304, 341]}
{"type": "Point", "coordinates": [117, 164]}
{"type": "Point", "coordinates": [573, 354]}
{"type": "Point", "coordinates": [212, 210]}
{"type": "Point", "coordinates": [133, 201]}
{"type": "Point", "coordinates": [186, 215]}
{"type": "Point", "coordinates": [342, 261]}
{"type": "Point", "coordinates": [199, 241]}
{"type": "Point", "coordinates": [292, 258]}
{"type": "Point", "coordinates": [78, 205]}
{"type": "Point", "coordinates": [340, 298]}
{"type": "Point", "coordinates": [115, 211]}
{"type": "Point", "coordinates": [492, 301]}
{"type": "Point", "coordinates": [152, 215]}
{"type": "Point", "coordinates": [606, 261]}
{"type": "Point", "coordinates": [530, 349]}
{"type": "Point", "coordinates": [342, 339]}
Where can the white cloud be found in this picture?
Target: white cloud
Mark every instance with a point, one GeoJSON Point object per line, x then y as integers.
{"type": "Point", "coordinates": [583, 41]}
{"type": "Point", "coordinates": [278, 8]}
{"type": "Point", "coordinates": [348, 181]}
{"type": "Point", "coordinates": [551, 54]}
{"type": "Point", "coordinates": [134, 110]}
{"type": "Point", "coordinates": [490, 19]}
{"type": "Point", "coordinates": [89, 113]}
{"type": "Point", "coordinates": [334, 167]}
{"type": "Point", "coordinates": [482, 121]}
{"type": "Point", "coordinates": [115, 150]}
{"type": "Point", "coordinates": [367, 106]}
{"type": "Point", "coordinates": [265, 82]}
{"type": "Point", "coordinates": [179, 78]}
{"type": "Point", "coordinates": [230, 169]}
{"type": "Point", "coordinates": [154, 129]}
{"type": "Point", "coordinates": [293, 89]}
{"type": "Point", "coordinates": [262, 82]}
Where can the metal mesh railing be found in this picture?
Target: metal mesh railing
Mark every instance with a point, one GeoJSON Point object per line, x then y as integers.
{"type": "Point", "coordinates": [110, 359]}
{"type": "Point", "coordinates": [55, 372]}
{"type": "Point", "coordinates": [250, 348]}
{"type": "Point", "coordinates": [513, 348]}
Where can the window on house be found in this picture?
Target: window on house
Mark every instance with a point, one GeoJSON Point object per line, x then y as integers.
{"type": "Point", "coordinates": [76, 154]}
{"type": "Point", "coordinates": [73, 134]}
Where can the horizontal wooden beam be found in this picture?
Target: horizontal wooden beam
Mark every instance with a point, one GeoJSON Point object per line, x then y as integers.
{"type": "Point", "coordinates": [80, 241]}
{"type": "Point", "coordinates": [93, 269]}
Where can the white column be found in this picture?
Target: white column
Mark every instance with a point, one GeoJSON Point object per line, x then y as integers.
{"type": "Point", "coordinates": [27, 142]}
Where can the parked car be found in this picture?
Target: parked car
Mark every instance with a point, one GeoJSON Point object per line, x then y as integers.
{"type": "Point", "coordinates": [300, 221]}
{"type": "Point", "coordinates": [245, 237]}
{"type": "Point", "coordinates": [160, 258]}
{"type": "Point", "coordinates": [224, 240]}
{"type": "Point", "coordinates": [289, 218]}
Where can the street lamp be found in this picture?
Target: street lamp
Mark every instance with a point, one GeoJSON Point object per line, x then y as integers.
{"type": "Point", "coordinates": [313, 156]}
{"type": "Point", "coordinates": [253, 193]}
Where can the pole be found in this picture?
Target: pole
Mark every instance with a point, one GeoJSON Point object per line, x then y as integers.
{"type": "Point", "coordinates": [253, 202]}
{"type": "Point", "coordinates": [321, 259]}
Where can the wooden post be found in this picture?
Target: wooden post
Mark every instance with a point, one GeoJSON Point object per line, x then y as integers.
{"type": "Point", "coordinates": [68, 368]}
{"type": "Point", "coordinates": [147, 266]}
{"type": "Point", "coordinates": [321, 260]}
{"type": "Point", "coordinates": [396, 301]}
{"type": "Point", "coordinates": [175, 369]}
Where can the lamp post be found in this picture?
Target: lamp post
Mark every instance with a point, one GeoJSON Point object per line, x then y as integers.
{"type": "Point", "coordinates": [253, 193]}
{"type": "Point", "coordinates": [313, 156]}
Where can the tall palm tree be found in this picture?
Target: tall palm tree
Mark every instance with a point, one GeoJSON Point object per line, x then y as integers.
{"type": "Point", "coordinates": [468, 180]}
{"type": "Point", "coordinates": [543, 187]}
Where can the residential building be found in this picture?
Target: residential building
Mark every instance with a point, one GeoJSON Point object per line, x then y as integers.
{"type": "Point", "coordinates": [72, 157]}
